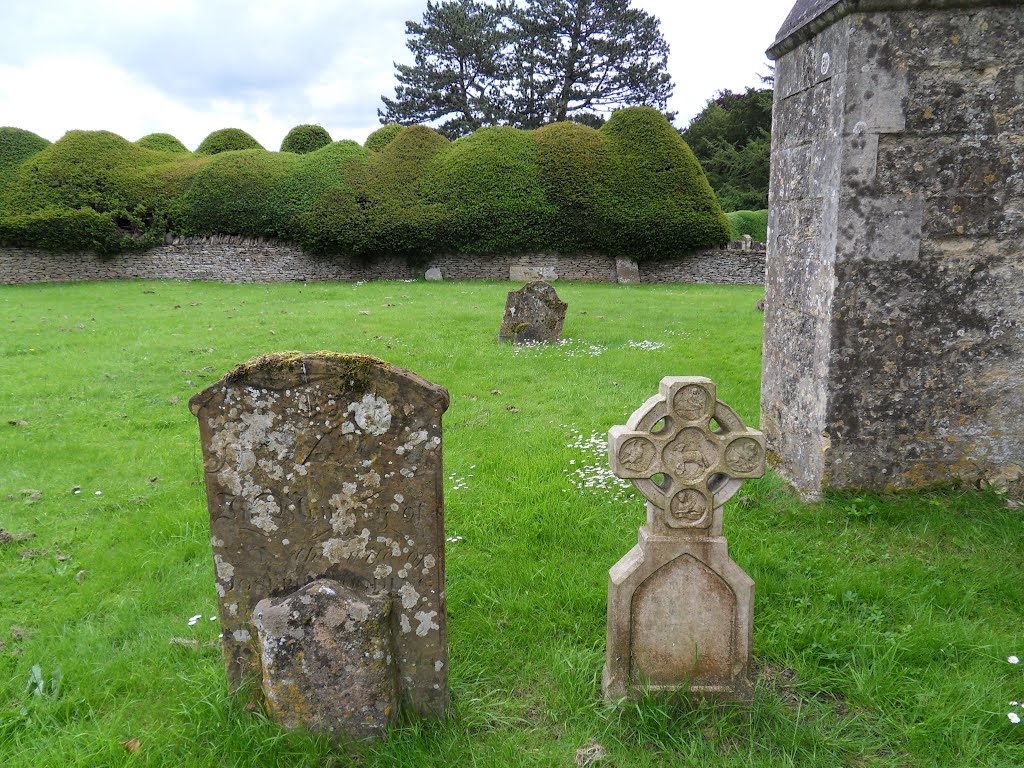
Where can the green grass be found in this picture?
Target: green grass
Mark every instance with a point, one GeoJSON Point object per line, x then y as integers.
{"type": "Point", "coordinates": [884, 622]}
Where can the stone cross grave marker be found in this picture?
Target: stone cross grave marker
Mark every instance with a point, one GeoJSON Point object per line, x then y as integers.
{"type": "Point", "coordinates": [533, 314]}
{"type": "Point", "coordinates": [680, 611]}
{"type": "Point", "coordinates": [323, 473]}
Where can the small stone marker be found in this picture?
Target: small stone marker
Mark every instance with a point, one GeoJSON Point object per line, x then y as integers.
{"type": "Point", "coordinates": [528, 273]}
{"type": "Point", "coordinates": [328, 466]}
{"type": "Point", "coordinates": [533, 314]}
{"type": "Point", "coordinates": [434, 274]}
{"type": "Point", "coordinates": [680, 611]}
{"type": "Point", "coordinates": [627, 271]}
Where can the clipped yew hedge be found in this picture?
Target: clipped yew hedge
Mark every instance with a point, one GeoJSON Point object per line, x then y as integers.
{"type": "Point", "coordinates": [656, 202]}
{"type": "Point", "coordinates": [303, 139]}
{"type": "Point", "coordinates": [383, 136]}
{"type": "Point", "coordinates": [63, 229]}
{"type": "Point", "coordinates": [633, 187]}
{"type": "Point", "coordinates": [400, 218]}
{"type": "Point", "coordinates": [227, 140]}
{"type": "Point", "coordinates": [487, 190]}
{"type": "Point", "coordinates": [163, 142]}
{"type": "Point", "coordinates": [753, 223]}
{"type": "Point", "coordinates": [17, 146]}
{"type": "Point", "coordinates": [571, 158]}
{"type": "Point", "coordinates": [86, 177]}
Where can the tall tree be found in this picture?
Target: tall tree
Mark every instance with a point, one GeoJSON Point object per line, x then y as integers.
{"type": "Point", "coordinates": [527, 63]}
{"type": "Point", "coordinates": [457, 77]}
{"type": "Point", "coordinates": [732, 139]}
{"type": "Point", "coordinates": [588, 57]}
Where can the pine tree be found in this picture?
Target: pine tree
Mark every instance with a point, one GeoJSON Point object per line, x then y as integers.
{"type": "Point", "coordinates": [528, 63]}
{"type": "Point", "coordinates": [589, 57]}
{"type": "Point", "coordinates": [457, 76]}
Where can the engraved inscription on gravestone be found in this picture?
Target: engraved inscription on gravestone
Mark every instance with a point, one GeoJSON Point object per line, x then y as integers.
{"type": "Point", "coordinates": [323, 466]}
{"type": "Point", "coordinates": [680, 611]}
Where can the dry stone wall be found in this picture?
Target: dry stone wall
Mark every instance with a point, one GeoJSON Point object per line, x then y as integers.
{"type": "Point", "coordinates": [246, 260]}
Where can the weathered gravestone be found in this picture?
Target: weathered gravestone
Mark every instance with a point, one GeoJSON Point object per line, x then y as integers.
{"type": "Point", "coordinates": [325, 470]}
{"type": "Point", "coordinates": [680, 611]}
{"type": "Point", "coordinates": [894, 331]}
{"type": "Point", "coordinates": [534, 313]}
{"type": "Point", "coordinates": [626, 270]}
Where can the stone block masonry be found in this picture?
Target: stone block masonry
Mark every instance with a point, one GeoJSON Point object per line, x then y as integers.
{"type": "Point", "coordinates": [894, 326]}
{"type": "Point", "coordinates": [230, 259]}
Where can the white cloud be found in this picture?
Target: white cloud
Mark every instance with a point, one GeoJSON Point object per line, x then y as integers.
{"type": "Point", "coordinates": [57, 93]}
{"type": "Point", "coordinates": [188, 67]}
{"type": "Point", "coordinates": [715, 46]}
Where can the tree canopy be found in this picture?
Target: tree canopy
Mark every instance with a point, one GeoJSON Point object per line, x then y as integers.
{"type": "Point", "coordinates": [527, 64]}
{"type": "Point", "coordinates": [731, 138]}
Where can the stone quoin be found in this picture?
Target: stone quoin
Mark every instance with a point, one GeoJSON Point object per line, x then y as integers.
{"type": "Point", "coordinates": [894, 317]}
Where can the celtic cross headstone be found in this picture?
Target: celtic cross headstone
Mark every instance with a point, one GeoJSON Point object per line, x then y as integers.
{"type": "Point", "coordinates": [680, 611]}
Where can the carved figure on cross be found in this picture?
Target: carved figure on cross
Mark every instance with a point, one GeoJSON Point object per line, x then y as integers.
{"type": "Point", "coordinates": [686, 452]}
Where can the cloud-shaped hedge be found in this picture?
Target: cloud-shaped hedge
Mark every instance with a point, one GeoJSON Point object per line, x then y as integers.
{"type": "Point", "coordinates": [163, 142]}
{"type": "Point", "coordinates": [227, 140]}
{"type": "Point", "coordinates": [16, 146]}
{"type": "Point", "coordinates": [94, 188]}
{"type": "Point", "coordinates": [303, 139]}
{"type": "Point", "coordinates": [632, 187]}
{"type": "Point", "coordinates": [383, 136]}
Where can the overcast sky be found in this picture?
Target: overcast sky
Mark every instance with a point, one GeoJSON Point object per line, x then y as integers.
{"type": "Point", "coordinates": [189, 67]}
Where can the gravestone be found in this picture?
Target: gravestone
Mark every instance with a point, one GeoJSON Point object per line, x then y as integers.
{"type": "Point", "coordinates": [434, 274]}
{"type": "Point", "coordinates": [526, 273]}
{"type": "Point", "coordinates": [533, 314]}
{"type": "Point", "coordinates": [680, 611]}
{"type": "Point", "coordinates": [627, 271]}
{"type": "Point", "coordinates": [894, 326]}
{"type": "Point", "coordinates": [323, 466]}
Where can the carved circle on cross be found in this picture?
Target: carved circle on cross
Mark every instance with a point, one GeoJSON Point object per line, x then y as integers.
{"type": "Point", "coordinates": [686, 451]}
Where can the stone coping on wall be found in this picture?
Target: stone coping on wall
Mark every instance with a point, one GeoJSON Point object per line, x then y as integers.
{"type": "Point", "coordinates": [810, 17]}
{"type": "Point", "coordinates": [232, 259]}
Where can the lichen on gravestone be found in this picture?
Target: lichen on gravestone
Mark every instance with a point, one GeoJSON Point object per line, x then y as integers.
{"type": "Point", "coordinates": [533, 314]}
{"type": "Point", "coordinates": [327, 466]}
{"type": "Point", "coordinates": [328, 660]}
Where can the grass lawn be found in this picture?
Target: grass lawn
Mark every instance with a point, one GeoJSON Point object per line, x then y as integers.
{"type": "Point", "coordinates": [882, 624]}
